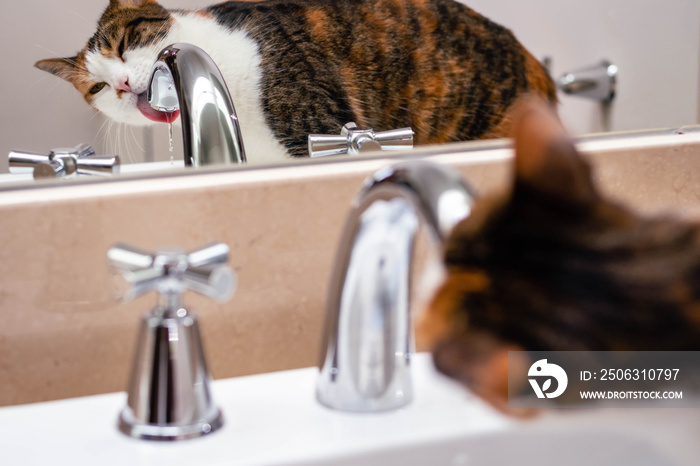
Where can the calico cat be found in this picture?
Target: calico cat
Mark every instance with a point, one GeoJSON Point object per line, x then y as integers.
{"type": "Point", "coordinates": [296, 67]}
{"type": "Point", "coordinates": [554, 266]}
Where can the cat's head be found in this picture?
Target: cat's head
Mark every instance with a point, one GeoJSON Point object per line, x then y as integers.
{"type": "Point", "coordinates": [112, 70]}
{"type": "Point", "coordinates": [555, 265]}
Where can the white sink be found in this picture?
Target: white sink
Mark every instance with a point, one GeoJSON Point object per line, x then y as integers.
{"type": "Point", "coordinates": [274, 419]}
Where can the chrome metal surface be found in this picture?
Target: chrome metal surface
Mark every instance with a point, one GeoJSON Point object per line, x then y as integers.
{"type": "Point", "coordinates": [21, 162]}
{"type": "Point", "coordinates": [107, 165]}
{"type": "Point", "coordinates": [354, 140]}
{"type": "Point", "coordinates": [169, 396]}
{"type": "Point", "coordinates": [55, 168]}
{"type": "Point", "coordinates": [58, 163]}
{"type": "Point", "coordinates": [597, 82]}
{"type": "Point", "coordinates": [210, 129]}
{"type": "Point", "coordinates": [368, 338]}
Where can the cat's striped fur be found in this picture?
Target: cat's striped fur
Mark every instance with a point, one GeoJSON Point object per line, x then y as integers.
{"type": "Point", "coordinates": [553, 265]}
{"type": "Point", "coordinates": [309, 66]}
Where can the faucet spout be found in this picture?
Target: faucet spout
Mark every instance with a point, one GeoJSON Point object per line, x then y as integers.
{"type": "Point", "coordinates": [368, 338]}
{"type": "Point", "coordinates": [184, 77]}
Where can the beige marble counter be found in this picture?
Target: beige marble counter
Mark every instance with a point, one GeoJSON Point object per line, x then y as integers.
{"type": "Point", "coordinates": [63, 335]}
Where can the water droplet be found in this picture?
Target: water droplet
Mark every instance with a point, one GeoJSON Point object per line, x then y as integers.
{"type": "Point", "coordinates": [170, 137]}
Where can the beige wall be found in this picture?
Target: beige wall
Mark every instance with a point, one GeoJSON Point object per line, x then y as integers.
{"type": "Point", "coordinates": [63, 335]}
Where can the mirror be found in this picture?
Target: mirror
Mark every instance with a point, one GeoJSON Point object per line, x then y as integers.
{"type": "Point", "coordinates": [658, 84]}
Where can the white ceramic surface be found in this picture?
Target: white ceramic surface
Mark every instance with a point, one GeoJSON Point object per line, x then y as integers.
{"type": "Point", "coordinates": [274, 419]}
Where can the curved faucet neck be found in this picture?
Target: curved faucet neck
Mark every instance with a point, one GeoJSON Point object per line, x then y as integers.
{"type": "Point", "coordinates": [210, 128]}
{"type": "Point", "coordinates": [368, 337]}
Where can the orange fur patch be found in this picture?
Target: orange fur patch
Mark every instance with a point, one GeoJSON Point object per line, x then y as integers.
{"type": "Point", "coordinates": [443, 318]}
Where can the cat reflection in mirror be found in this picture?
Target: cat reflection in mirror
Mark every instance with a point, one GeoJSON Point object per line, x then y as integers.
{"type": "Point", "coordinates": [299, 67]}
{"type": "Point", "coordinates": [553, 265]}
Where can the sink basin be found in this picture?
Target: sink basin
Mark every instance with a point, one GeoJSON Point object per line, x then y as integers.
{"type": "Point", "coordinates": [269, 419]}
{"type": "Point", "coordinates": [274, 419]}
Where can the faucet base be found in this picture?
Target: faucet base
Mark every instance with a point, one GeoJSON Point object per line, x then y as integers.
{"type": "Point", "coordinates": [397, 400]}
{"type": "Point", "coordinates": [169, 395]}
{"type": "Point", "coordinates": [129, 426]}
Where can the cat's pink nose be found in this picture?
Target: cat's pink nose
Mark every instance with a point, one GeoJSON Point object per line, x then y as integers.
{"type": "Point", "coordinates": [123, 85]}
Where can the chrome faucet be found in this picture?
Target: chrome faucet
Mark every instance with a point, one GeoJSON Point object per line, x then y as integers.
{"type": "Point", "coordinates": [59, 163]}
{"type": "Point", "coordinates": [368, 337]}
{"type": "Point", "coordinates": [597, 82]}
{"type": "Point", "coordinates": [354, 140]}
{"type": "Point", "coordinates": [185, 78]}
{"type": "Point", "coordinates": [169, 395]}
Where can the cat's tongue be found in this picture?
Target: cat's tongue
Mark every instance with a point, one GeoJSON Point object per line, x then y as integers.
{"type": "Point", "coordinates": [153, 114]}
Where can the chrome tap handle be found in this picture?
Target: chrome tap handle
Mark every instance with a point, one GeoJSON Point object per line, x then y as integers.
{"type": "Point", "coordinates": [128, 258]}
{"type": "Point", "coordinates": [169, 394]}
{"type": "Point", "coordinates": [395, 139]}
{"type": "Point", "coordinates": [21, 162]}
{"type": "Point", "coordinates": [107, 165]}
{"type": "Point", "coordinates": [79, 151]}
{"type": "Point", "coordinates": [26, 162]}
{"type": "Point", "coordinates": [62, 162]}
{"type": "Point", "coordinates": [61, 166]}
{"type": "Point", "coordinates": [213, 254]}
{"type": "Point", "coordinates": [353, 140]}
{"type": "Point", "coordinates": [171, 272]}
{"type": "Point", "coordinates": [597, 82]}
{"type": "Point", "coordinates": [56, 168]}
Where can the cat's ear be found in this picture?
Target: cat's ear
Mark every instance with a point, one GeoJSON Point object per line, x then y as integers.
{"type": "Point", "coordinates": [546, 161]}
{"type": "Point", "coordinates": [64, 68]}
{"type": "Point", "coordinates": [129, 3]}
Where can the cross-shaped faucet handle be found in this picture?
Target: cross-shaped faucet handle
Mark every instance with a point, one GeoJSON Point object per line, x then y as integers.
{"type": "Point", "coordinates": [62, 162]}
{"type": "Point", "coordinates": [354, 139]}
{"type": "Point", "coordinates": [170, 272]}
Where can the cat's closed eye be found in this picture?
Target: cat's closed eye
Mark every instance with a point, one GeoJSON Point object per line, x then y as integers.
{"type": "Point", "coordinates": [97, 88]}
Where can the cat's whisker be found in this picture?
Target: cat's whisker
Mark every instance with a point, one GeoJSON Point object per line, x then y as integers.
{"type": "Point", "coordinates": [106, 138]}
{"type": "Point", "coordinates": [87, 21]}
{"type": "Point", "coordinates": [51, 51]}
{"type": "Point", "coordinates": [120, 144]}
{"type": "Point", "coordinates": [162, 28]}
{"type": "Point", "coordinates": [135, 151]}
{"type": "Point", "coordinates": [136, 140]}
{"type": "Point", "coordinates": [115, 139]}
{"type": "Point", "coordinates": [101, 136]}
{"type": "Point", "coordinates": [126, 152]}
{"type": "Point", "coordinates": [66, 59]}
{"type": "Point", "coordinates": [52, 88]}
{"type": "Point", "coordinates": [41, 80]}
{"type": "Point", "coordinates": [112, 141]}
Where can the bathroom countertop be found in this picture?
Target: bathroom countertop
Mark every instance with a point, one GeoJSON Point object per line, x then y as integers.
{"type": "Point", "coordinates": [269, 419]}
{"type": "Point", "coordinates": [274, 419]}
